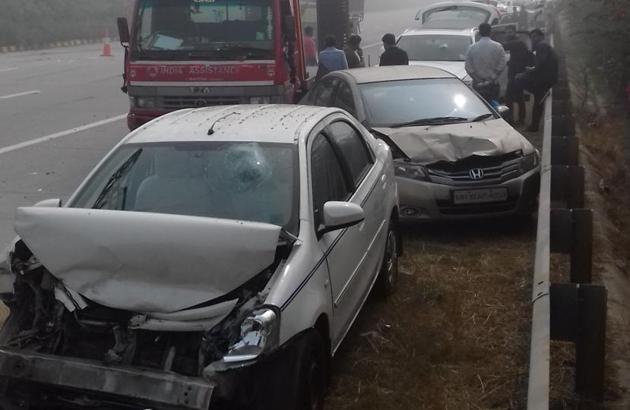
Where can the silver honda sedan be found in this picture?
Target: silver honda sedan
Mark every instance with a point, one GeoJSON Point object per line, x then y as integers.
{"type": "Point", "coordinates": [455, 157]}
{"type": "Point", "coordinates": [217, 254]}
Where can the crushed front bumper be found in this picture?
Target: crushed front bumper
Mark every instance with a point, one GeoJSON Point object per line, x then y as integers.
{"type": "Point", "coordinates": [428, 201]}
{"type": "Point", "coordinates": [95, 384]}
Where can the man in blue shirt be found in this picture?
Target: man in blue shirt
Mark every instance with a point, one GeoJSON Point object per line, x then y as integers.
{"type": "Point", "coordinates": [331, 58]}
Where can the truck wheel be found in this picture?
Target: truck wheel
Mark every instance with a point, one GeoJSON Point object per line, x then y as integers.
{"type": "Point", "coordinates": [312, 374]}
{"type": "Point", "coordinates": [388, 276]}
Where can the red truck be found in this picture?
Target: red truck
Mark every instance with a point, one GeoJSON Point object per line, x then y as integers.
{"type": "Point", "coordinates": [194, 53]}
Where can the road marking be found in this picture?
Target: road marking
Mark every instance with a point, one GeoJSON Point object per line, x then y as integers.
{"type": "Point", "coordinates": [6, 69]}
{"type": "Point", "coordinates": [6, 97]}
{"type": "Point", "coordinates": [60, 134]}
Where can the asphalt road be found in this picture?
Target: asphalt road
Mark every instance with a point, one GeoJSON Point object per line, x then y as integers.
{"type": "Point", "coordinates": [46, 95]}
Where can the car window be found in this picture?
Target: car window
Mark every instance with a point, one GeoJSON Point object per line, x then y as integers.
{"type": "Point", "coordinates": [344, 99]}
{"type": "Point", "coordinates": [436, 47]}
{"type": "Point", "coordinates": [353, 148]}
{"type": "Point", "coordinates": [327, 178]}
{"type": "Point", "coordinates": [391, 103]}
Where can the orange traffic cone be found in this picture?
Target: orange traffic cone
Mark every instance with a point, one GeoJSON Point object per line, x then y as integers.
{"type": "Point", "coordinates": [107, 46]}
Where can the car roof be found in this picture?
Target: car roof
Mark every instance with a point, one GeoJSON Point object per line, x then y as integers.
{"type": "Point", "coordinates": [394, 73]}
{"type": "Point", "coordinates": [467, 32]}
{"type": "Point", "coordinates": [247, 123]}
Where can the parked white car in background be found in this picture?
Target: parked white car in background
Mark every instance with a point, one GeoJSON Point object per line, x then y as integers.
{"type": "Point", "coordinates": [218, 254]}
{"type": "Point", "coordinates": [441, 48]}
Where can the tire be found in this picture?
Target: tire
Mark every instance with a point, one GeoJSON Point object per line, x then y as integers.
{"type": "Point", "coordinates": [312, 372]}
{"type": "Point", "coordinates": [388, 276]}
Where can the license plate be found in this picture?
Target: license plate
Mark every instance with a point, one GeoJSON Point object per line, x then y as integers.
{"type": "Point", "coordinates": [480, 196]}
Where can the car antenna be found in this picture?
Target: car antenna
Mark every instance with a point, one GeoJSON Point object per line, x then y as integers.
{"type": "Point", "coordinates": [211, 130]}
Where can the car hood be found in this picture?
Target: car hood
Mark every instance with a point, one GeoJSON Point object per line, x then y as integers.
{"type": "Point", "coordinates": [457, 68]}
{"type": "Point", "coordinates": [146, 262]}
{"type": "Point", "coordinates": [429, 144]}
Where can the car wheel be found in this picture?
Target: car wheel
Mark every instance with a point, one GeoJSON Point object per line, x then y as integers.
{"type": "Point", "coordinates": [312, 372]}
{"type": "Point", "coordinates": [388, 276]}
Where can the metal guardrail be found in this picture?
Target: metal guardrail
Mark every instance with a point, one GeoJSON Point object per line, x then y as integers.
{"type": "Point", "coordinates": [575, 311]}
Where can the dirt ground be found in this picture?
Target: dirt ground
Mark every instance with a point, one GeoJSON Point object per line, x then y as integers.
{"type": "Point", "coordinates": [456, 333]}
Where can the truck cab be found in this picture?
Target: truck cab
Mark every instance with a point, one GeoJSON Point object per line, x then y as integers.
{"type": "Point", "coordinates": [196, 53]}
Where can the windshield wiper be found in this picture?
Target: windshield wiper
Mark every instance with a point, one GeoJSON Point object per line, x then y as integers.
{"type": "Point", "coordinates": [431, 121]}
{"type": "Point", "coordinates": [101, 201]}
{"type": "Point", "coordinates": [482, 117]}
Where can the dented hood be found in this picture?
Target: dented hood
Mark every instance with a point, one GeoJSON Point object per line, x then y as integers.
{"type": "Point", "coordinates": [429, 144]}
{"type": "Point", "coordinates": [146, 262]}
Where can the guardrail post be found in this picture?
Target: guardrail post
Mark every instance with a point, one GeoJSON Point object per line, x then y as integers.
{"type": "Point", "coordinates": [590, 349]}
{"type": "Point", "coordinates": [567, 185]}
{"type": "Point", "coordinates": [565, 151]}
{"type": "Point", "coordinates": [572, 233]}
{"type": "Point", "coordinates": [582, 249]}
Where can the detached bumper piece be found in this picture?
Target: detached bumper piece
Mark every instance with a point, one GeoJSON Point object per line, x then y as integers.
{"type": "Point", "coordinates": [75, 383]}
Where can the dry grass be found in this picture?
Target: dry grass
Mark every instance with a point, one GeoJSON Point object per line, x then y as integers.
{"type": "Point", "coordinates": [455, 335]}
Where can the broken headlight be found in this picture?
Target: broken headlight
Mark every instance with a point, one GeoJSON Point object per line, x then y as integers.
{"type": "Point", "coordinates": [260, 333]}
{"type": "Point", "coordinates": [530, 161]}
{"type": "Point", "coordinates": [412, 171]}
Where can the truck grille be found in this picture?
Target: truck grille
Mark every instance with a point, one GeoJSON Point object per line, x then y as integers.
{"type": "Point", "coordinates": [177, 102]}
{"type": "Point", "coordinates": [493, 170]}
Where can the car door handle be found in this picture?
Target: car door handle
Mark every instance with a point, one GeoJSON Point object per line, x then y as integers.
{"type": "Point", "coordinates": [384, 181]}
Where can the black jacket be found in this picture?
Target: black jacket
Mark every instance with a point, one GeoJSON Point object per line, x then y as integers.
{"type": "Point", "coordinates": [520, 57]}
{"type": "Point", "coordinates": [394, 56]}
{"type": "Point", "coordinates": [545, 73]}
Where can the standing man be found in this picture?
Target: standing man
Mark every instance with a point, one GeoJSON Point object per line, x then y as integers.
{"type": "Point", "coordinates": [310, 47]}
{"type": "Point", "coordinates": [393, 54]}
{"type": "Point", "coordinates": [520, 59]}
{"type": "Point", "coordinates": [353, 51]}
{"type": "Point", "coordinates": [541, 77]}
{"type": "Point", "coordinates": [485, 62]}
{"type": "Point", "coordinates": [331, 58]}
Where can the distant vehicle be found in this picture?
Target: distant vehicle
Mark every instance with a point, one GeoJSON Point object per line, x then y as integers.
{"type": "Point", "coordinates": [454, 156]}
{"type": "Point", "coordinates": [215, 255]}
{"type": "Point", "coordinates": [441, 48]}
{"type": "Point", "coordinates": [458, 14]}
{"type": "Point", "coordinates": [188, 54]}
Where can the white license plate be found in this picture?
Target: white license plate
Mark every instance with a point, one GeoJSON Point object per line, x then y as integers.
{"type": "Point", "coordinates": [480, 196]}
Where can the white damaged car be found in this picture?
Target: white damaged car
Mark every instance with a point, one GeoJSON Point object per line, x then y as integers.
{"type": "Point", "coordinates": [215, 256]}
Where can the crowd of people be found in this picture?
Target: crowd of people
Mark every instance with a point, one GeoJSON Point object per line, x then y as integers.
{"type": "Point", "coordinates": [534, 71]}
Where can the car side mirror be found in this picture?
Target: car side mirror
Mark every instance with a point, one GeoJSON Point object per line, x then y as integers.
{"type": "Point", "coordinates": [339, 215]}
{"type": "Point", "coordinates": [503, 110]}
{"type": "Point", "coordinates": [49, 203]}
{"type": "Point", "coordinates": [123, 31]}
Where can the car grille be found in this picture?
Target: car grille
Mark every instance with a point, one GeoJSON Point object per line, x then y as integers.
{"type": "Point", "coordinates": [495, 170]}
{"type": "Point", "coordinates": [177, 102]}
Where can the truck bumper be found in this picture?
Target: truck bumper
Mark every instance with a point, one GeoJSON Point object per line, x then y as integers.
{"type": "Point", "coordinates": [28, 378]}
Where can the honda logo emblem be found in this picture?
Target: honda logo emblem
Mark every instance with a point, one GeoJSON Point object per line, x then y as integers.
{"type": "Point", "coordinates": [476, 174]}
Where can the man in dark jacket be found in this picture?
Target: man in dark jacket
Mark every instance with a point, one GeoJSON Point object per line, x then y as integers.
{"type": "Point", "coordinates": [393, 55]}
{"type": "Point", "coordinates": [541, 77]}
{"type": "Point", "coordinates": [520, 59]}
{"type": "Point", "coordinates": [353, 51]}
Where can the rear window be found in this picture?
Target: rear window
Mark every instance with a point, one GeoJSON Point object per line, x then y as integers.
{"type": "Point", "coordinates": [436, 48]}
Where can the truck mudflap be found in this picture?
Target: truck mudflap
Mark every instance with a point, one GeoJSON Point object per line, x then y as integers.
{"type": "Point", "coordinates": [155, 389]}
